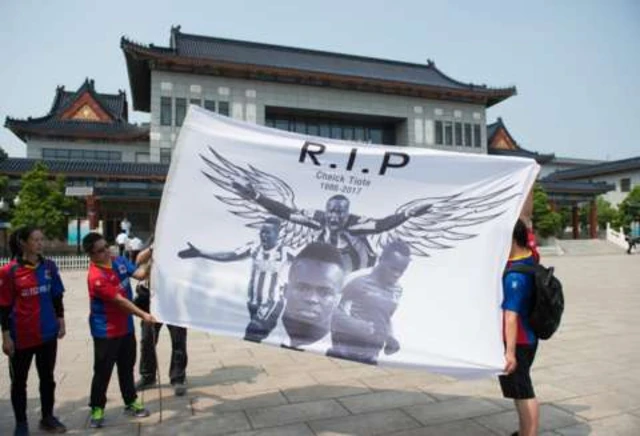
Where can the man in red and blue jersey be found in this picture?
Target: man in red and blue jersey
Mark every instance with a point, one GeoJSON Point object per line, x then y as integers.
{"type": "Point", "coordinates": [111, 324]}
{"type": "Point", "coordinates": [520, 340]}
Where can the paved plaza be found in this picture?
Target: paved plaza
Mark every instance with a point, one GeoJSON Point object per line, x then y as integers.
{"type": "Point", "coordinates": [587, 377]}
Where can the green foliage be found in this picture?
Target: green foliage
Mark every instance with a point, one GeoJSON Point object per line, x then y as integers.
{"type": "Point", "coordinates": [629, 209]}
{"type": "Point", "coordinates": [606, 213]}
{"type": "Point", "coordinates": [546, 222]}
{"type": "Point", "coordinates": [42, 203]}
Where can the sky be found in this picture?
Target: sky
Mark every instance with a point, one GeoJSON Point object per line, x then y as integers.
{"type": "Point", "coordinates": [576, 64]}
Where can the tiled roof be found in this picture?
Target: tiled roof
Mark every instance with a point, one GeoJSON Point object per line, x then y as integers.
{"type": "Point", "coordinates": [617, 166]}
{"type": "Point", "coordinates": [52, 124]}
{"type": "Point", "coordinates": [311, 65]}
{"type": "Point", "coordinates": [494, 128]}
{"type": "Point", "coordinates": [569, 187]}
{"type": "Point", "coordinates": [13, 166]}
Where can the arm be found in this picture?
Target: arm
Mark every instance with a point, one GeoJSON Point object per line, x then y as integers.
{"type": "Point", "coordinates": [57, 291]}
{"type": "Point", "coordinates": [371, 226]}
{"type": "Point", "coordinates": [510, 334]}
{"type": "Point", "coordinates": [127, 306]}
{"type": "Point", "coordinates": [144, 256]}
{"type": "Point", "coordinates": [6, 303]}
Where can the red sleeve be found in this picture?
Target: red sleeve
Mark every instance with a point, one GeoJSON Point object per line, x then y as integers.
{"type": "Point", "coordinates": [101, 288]}
{"type": "Point", "coordinates": [6, 290]}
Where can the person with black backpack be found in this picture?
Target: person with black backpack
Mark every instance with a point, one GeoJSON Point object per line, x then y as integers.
{"type": "Point", "coordinates": [520, 340]}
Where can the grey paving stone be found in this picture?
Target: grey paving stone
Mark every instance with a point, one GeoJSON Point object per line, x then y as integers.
{"type": "Point", "coordinates": [383, 400]}
{"type": "Point", "coordinates": [599, 406]}
{"type": "Point", "coordinates": [205, 404]}
{"type": "Point", "coordinates": [462, 408]}
{"type": "Point", "coordinates": [287, 430]}
{"type": "Point", "coordinates": [293, 413]}
{"type": "Point", "coordinates": [378, 423]}
{"type": "Point", "coordinates": [551, 418]}
{"type": "Point", "coordinates": [457, 428]}
{"type": "Point", "coordinates": [620, 425]}
{"type": "Point", "coordinates": [319, 392]}
{"type": "Point", "coordinates": [211, 424]}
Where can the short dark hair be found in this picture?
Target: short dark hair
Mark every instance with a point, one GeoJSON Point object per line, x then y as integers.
{"type": "Point", "coordinates": [273, 221]}
{"type": "Point", "coordinates": [396, 246]}
{"type": "Point", "coordinates": [90, 240]}
{"type": "Point", "coordinates": [322, 252]}
{"type": "Point", "coordinates": [338, 197]}
{"type": "Point", "coordinates": [520, 234]}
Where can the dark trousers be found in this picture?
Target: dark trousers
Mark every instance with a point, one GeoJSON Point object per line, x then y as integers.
{"type": "Point", "coordinates": [19, 365]}
{"type": "Point", "coordinates": [107, 353]}
{"type": "Point", "coordinates": [148, 361]}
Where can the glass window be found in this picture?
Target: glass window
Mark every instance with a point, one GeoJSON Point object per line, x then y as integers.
{"type": "Point", "coordinates": [102, 155]}
{"type": "Point", "coordinates": [301, 127]}
{"type": "Point", "coordinates": [448, 133]}
{"type": "Point", "coordinates": [76, 154]}
{"type": "Point", "coordinates": [625, 185]}
{"type": "Point", "coordinates": [282, 124]}
{"type": "Point", "coordinates": [181, 110]}
{"type": "Point", "coordinates": [467, 134]}
{"type": "Point", "coordinates": [458, 133]}
{"type": "Point", "coordinates": [165, 155]}
{"type": "Point", "coordinates": [210, 105]}
{"type": "Point", "coordinates": [223, 108]}
{"type": "Point", "coordinates": [312, 129]}
{"type": "Point", "coordinates": [375, 136]}
{"type": "Point", "coordinates": [325, 130]}
{"type": "Point", "coordinates": [195, 101]}
{"type": "Point", "coordinates": [165, 111]}
{"type": "Point", "coordinates": [142, 157]}
{"type": "Point", "coordinates": [477, 137]}
{"type": "Point", "coordinates": [270, 122]}
{"type": "Point", "coordinates": [48, 153]}
{"type": "Point", "coordinates": [439, 135]}
{"type": "Point", "coordinates": [359, 133]}
{"type": "Point", "coordinates": [336, 131]}
{"type": "Point", "coordinates": [115, 156]}
{"type": "Point", "coordinates": [347, 133]}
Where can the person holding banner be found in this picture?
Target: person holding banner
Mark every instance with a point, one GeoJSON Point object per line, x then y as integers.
{"type": "Point", "coordinates": [521, 342]}
{"type": "Point", "coordinates": [315, 279]}
{"type": "Point", "coordinates": [111, 325]}
{"type": "Point", "coordinates": [361, 325]}
{"type": "Point", "coordinates": [267, 282]}
{"type": "Point", "coordinates": [32, 318]}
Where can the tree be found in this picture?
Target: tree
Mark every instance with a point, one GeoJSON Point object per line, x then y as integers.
{"type": "Point", "coordinates": [42, 203]}
{"type": "Point", "coordinates": [546, 222]}
{"type": "Point", "coordinates": [629, 209]}
{"type": "Point", "coordinates": [606, 213]}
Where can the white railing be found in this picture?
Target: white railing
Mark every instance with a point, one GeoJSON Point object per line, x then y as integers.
{"type": "Point", "coordinates": [63, 262]}
{"type": "Point", "coordinates": [616, 237]}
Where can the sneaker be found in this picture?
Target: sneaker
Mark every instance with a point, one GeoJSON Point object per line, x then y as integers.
{"type": "Point", "coordinates": [97, 417]}
{"type": "Point", "coordinates": [180, 389]}
{"type": "Point", "coordinates": [145, 383]}
{"type": "Point", "coordinates": [136, 409]}
{"type": "Point", "coordinates": [51, 424]}
{"type": "Point", "coordinates": [22, 429]}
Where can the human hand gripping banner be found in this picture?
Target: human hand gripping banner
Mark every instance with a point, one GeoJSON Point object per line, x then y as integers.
{"type": "Point", "coordinates": [376, 254]}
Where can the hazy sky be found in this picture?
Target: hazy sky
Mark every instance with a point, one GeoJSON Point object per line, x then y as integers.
{"type": "Point", "coordinates": [576, 64]}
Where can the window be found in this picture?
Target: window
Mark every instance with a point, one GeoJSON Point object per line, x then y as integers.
{"type": "Point", "coordinates": [301, 127]}
{"type": "Point", "coordinates": [439, 133]}
{"type": "Point", "coordinates": [312, 129]}
{"type": "Point", "coordinates": [375, 136]}
{"type": "Point", "coordinates": [181, 110]}
{"type": "Point", "coordinates": [448, 133]}
{"type": "Point", "coordinates": [165, 111]}
{"type": "Point", "coordinates": [165, 155]}
{"type": "Point", "coordinates": [625, 185]}
{"type": "Point", "coordinates": [195, 101]}
{"type": "Point", "coordinates": [79, 154]}
{"type": "Point", "coordinates": [210, 105]}
{"type": "Point", "coordinates": [477, 137]}
{"type": "Point", "coordinates": [142, 157]}
{"type": "Point", "coordinates": [336, 131]}
{"type": "Point", "coordinates": [458, 132]}
{"type": "Point", "coordinates": [282, 124]}
{"type": "Point", "coordinates": [467, 135]}
{"type": "Point", "coordinates": [223, 108]}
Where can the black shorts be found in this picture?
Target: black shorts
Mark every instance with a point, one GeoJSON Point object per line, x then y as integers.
{"type": "Point", "coordinates": [518, 385]}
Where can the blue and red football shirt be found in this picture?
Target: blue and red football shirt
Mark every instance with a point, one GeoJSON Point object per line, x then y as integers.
{"type": "Point", "coordinates": [518, 297]}
{"type": "Point", "coordinates": [107, 320]}
{"type": "Point", "coordinates": [29, 291]}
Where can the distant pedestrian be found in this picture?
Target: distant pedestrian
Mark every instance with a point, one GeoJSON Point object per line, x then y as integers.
{"type": "Point", "coordinates": [121, 240]}
{"type": "Point", "coordinates": [112, 326]}
{"type": "Point", "coordinates": [32, 318]}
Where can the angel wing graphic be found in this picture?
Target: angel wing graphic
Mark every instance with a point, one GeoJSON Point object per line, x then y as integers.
{"type": "Point", "coordinates": [425, 224]}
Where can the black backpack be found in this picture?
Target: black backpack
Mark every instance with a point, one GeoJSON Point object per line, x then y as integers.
{"type": "Point", "coordinates": [548, 303]}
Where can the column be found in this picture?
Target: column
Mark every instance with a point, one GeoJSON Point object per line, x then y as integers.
{"type": "Point", "coordinates": [92, 211]}
{"type": "Point", "coordinates": [593, 220]}
{"type": "Point", "coordinates": [575, 221]}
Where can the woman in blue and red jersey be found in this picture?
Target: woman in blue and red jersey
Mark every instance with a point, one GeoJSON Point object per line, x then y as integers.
{"type": "Point", "coordinates": [32, 316]}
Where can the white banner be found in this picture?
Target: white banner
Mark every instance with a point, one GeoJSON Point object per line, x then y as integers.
{"type": "Point", "coordinates": [378, 254]}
